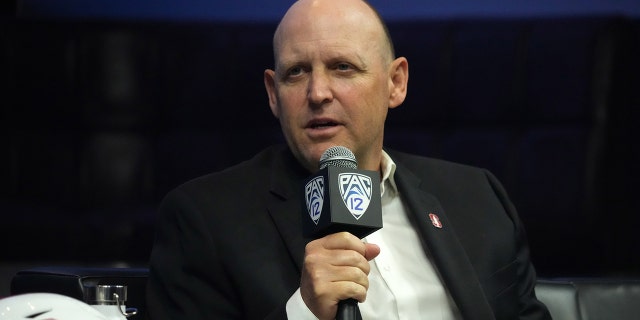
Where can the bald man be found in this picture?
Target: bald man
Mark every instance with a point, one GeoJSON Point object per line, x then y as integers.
{"type": "Point", "coordinates": [452, 245]}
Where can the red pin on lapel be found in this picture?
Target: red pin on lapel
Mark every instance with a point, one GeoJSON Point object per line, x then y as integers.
{"type": "Point", "coordinates": [435, 221]}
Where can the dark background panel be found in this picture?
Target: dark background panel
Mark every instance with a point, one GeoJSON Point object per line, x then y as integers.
{"type": "Point", "coordinates": [101, 115]}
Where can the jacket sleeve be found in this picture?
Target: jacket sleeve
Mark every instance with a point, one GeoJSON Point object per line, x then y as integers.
{"type": "Point", "coordinates": [530, 308]}
{"type": "Point", "coordinates": [186, 278]}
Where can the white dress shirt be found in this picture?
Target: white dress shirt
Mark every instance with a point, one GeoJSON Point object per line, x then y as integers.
{"type": "Point", "coordinates": [403, 283]}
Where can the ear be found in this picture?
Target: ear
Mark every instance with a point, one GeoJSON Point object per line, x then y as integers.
{"type": "Point", "coordinates": [270, 85]}
{"type": "Point", "coordinates": [398, 79]}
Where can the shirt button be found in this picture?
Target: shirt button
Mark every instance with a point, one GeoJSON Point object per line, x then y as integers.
{"type": "Point", "coordinates": [387, 268]}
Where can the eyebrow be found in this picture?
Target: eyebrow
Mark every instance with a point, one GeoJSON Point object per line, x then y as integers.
{"type": "Point", "coordinates": [353, 57]}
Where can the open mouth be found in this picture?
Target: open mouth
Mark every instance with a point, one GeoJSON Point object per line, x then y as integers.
{"type": "Point", "coordinates": [322, 124]}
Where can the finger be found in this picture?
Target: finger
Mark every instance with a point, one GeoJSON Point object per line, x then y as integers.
{"type": "Point", "coordinates": [323, 288]}
{"type": "Point", "coordinates": [344, 240]}
{"type": "Point", "coordinates": [347, 258]}
{"type": "Point", "coordinates": [332, 262]}
{"type": "Point", "coordinates": [339, 283]}
{"type": "Point", "coordinates": [318, 254]}
{"type": "Point", "coordinates": [350, 290]}
{"type": "Point", "coordinates": [354, 275]}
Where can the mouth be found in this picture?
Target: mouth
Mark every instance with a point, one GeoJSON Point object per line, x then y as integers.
{"type": "Point", "coordinates": [322, 124]}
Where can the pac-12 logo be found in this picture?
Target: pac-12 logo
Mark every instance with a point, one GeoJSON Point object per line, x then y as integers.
{"type": "Point", "coordinates": [314, 194]}
{"type": "Point", "coordinates": [355, 190]}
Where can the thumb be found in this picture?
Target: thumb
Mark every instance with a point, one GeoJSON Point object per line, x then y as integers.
{"type": "Point", "coordinates": [371, 251]}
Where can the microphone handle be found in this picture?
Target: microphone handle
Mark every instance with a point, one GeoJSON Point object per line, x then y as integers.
{"type": "Point", "coordinates": [348, 310]}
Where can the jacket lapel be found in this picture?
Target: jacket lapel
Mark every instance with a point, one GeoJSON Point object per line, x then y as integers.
{"type": "Point", "coordinates": [284, 202]}
{"type": "Point", "coordinates": [443, 245]}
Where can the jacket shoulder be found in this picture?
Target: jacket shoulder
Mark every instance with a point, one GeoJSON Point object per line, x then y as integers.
{"type": "Point", "coordinates": [419, 163]}
{"type": "Point", "coordinates": [247, 172]}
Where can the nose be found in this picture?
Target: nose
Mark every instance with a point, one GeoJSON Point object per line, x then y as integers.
{"type": "Point", "coordinates": [319, 90]}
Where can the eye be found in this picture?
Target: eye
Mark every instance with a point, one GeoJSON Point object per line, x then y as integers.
{"type": "Point", "coordinates": [294, 71]}
{"type": "Point", "coordinates": [344, 67]}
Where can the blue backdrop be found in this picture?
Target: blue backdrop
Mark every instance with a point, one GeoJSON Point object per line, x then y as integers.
{"type": "Point", "coordinates": [272, 9]}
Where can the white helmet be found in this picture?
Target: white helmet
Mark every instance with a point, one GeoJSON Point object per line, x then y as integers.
{"type": "Point", "coordinates": [49, 306]}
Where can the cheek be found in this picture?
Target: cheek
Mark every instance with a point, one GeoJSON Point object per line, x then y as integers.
{"type": "Point", "coordinates": [374, 102]}
{"type": "Point", "coordinates": [372, 113]}
{"type": "Point", "coordinates": [291, 108]}
{"type": "Point", "coordinates": [291, 99]}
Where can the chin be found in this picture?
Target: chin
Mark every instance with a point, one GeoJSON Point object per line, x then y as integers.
{"type": "Point", "coordinates": [310, 156]}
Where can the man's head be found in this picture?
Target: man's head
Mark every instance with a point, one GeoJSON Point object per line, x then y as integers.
{"type": "Point", "coordinates": [335, 78]}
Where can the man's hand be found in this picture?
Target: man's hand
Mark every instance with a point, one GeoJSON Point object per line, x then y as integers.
{"type": "Point", "coordinates": [335, 268]}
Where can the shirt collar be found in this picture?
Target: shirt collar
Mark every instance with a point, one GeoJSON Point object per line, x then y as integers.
{"type": "Point", "coordinates": [388, 168]}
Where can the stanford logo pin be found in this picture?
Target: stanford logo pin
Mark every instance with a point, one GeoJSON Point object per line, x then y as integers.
{"type": "Point", "coordinates": [435, 221]}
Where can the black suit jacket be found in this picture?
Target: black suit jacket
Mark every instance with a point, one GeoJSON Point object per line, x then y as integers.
{"type": "Point", "coordinates": [229, 245]}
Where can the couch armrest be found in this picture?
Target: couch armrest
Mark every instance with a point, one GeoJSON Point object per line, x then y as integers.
{"type": "Point", "coordinates": [590, 298]}
{"type": "Point", "coordinates": [560, 298]}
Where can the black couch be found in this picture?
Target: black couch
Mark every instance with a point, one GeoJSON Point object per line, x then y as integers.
{"type": "Point", "coordinates": [567, 299]}
{"type": "Point", "coordinates": [590, 298]}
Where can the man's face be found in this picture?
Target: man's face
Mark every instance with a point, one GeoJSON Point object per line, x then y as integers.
{"type": "Point", "coordinates": [331, 86]}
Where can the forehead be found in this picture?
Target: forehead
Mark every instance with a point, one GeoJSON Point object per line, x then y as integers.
{"type": "Point", "coordinates": [340, 32]}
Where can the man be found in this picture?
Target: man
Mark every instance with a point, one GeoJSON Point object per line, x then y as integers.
{"type": "Point", "coordinates": [229, 245]}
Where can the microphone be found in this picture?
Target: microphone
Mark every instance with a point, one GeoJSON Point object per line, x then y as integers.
{"type": "Point", "coordinates": [340, 197]}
